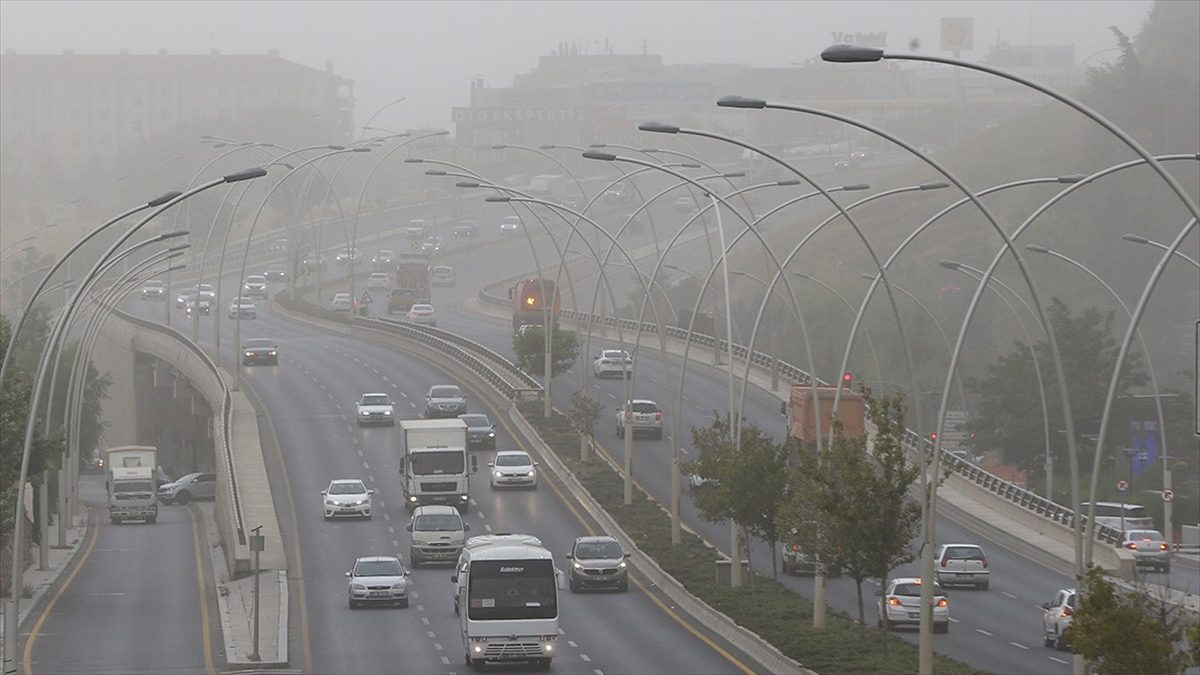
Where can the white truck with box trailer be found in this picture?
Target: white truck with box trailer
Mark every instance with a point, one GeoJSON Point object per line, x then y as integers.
{"type": "Point", "coordinates": [433, 463]}
{"type": "Point", "coordinates": [131, 483]}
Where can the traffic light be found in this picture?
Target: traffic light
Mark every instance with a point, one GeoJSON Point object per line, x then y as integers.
{"type": "Point", "coordinates": [933, 436]}
{"type": "Point", "coordinates": [847, 378]}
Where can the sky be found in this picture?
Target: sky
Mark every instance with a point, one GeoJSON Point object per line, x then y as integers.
{"type": "Point", "coordinates": [428, 52]}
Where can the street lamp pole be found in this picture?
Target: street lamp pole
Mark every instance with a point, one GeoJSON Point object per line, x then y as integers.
{"type": "Point", "coordinates": [1138, 239]}
{"type": "Point", "coordinates": [844, 301]}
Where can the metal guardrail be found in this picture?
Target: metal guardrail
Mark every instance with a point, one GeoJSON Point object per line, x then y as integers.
{"type": "Point", "coordinates": [977, 475]}
{"type": "Point", "coordinates": [508, 366]}
{"type": "Point", "coordinates": [226, 411]}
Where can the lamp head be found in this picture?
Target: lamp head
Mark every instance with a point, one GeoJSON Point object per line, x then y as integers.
{"type": "Point", "coordinates": [869, 277]}
{"type": "Point", "coordinates": [801, 275]}
{"type": "Point", "coordinates": [1135, 238]}
{"type": "Point", "coordinates": [164, 198]}
{"type": "Point", "coordinates": [851, 54]}
{"type": "Point", "coordinates": [497, 198]}
{"type": "Point", "coordinates": [950, 264]}
{"type": "Point", "coordinates": [246, 174]}
{"type": "Point", "coordinates": [603, 156]}
{"type": "Point", "coordinates": [335, 147]}
{"type": "Point", "coordinates": [547, 147]}
{"type": "Point", "coordinates": [937, 185]}
{"type": "Point", "coordinates": [735, 101]}
{"type": "Point", "coordinates": [1072, 178]}
{"type": "Point", "coordinates": [441, 132]}
{"type": "Point", "coordinates": [413, 160]}
{"type": "Point", "coordinates": [435, 172]}
{"type": "Point", "coordinates": [172, 234]}
{"type": "Point", "coordinates": [597, 145]}
{"type": "Point", "coordinates": [179, 247]}
{"type": "Point", "coordinates": [690, 165]}
{"type": "Point", "coordinates": [1036, 249]}
{"type": "Point", "coordinates": [362, 148]}
{"type": "Point", "coordinates": [658, 127]}
{"type": "Point", "coordinates": [467, 183]}
{"type": "Point", "coordinates": [787, 182]}
{"type": "Point", "coordinates": [734, 174]}
{"type": "Point", "coordinates": [855, 187]}
{"type": "Point", "coordinates": [499, 147]}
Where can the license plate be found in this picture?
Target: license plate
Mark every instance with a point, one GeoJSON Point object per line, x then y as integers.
{"type": "Point", "coordinates": [379, 594]}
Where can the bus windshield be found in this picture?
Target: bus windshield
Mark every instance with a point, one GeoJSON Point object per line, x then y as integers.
{"type": "Point", "coordinates": [512, 589]}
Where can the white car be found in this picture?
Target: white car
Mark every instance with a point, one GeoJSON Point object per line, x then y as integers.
{"type": "Point", "coordinates": [901, 605]}
{"type": "Point", "coordinates": [612, 363]}
{"type": "Point", "coordinates": [189, 487]}
{"type": "Point", "coordinates": [346, 256]}
{"type": "Point", "coordinates": [242, 306]}
{"type": "Point", "coordinates": [441, 275]}
{"type": "Point", "coordinates": [1057, 618]}
{"type": "Point", "coordinates": [255, 285]}
{"type": "Point", "coordinates": [423, 313]}
{"type": "Point", "coordinates": [347, 497]}
{"type": "Point", "coordinates": [342, 302]}
{"type": "Point", "coordinates": [1149, 549]}
{"type": "Point", "coordinates": [511, 225]}
{"type": "Point", "coordinates": [380, 578]}
{"type": "Point", "coordinates": [513, 468]}
{"type": "Point", "coordinates": [961, 564]}
{"type": "Point", "coordinates": [379, 280]}
{"type": "Point", "coordinates": [645, 418]}
{"type": "Point", "coordinates": [376, 409]}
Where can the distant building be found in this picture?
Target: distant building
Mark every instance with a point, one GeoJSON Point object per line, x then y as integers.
{"type": "Point", "coordinates": [76, 107]}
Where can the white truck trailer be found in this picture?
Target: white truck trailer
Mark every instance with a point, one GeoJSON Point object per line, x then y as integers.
{"type": "Point", "coordinates": [131, 483]}
{"type": "Point", "coordinates": [433, 463]}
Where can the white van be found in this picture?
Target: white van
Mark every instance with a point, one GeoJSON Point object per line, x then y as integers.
{"type": "Point", "coordinates": [438, 534]}
{"type": "Point", "coordinates": [1109, 514]}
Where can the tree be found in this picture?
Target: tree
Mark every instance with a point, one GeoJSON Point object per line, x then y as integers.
{"type": "Point", "coordinates": [584, 413]}
{"type": "Point", "coordinates": [1009, 417]}
{"type": "Point", "coordinates": [748, 487]}
{"type": "Point", "coordinates": [530, 347]}
{"type": "Point", "coordinates": [1127, 633]}
{"type": "Point", "coordinates": [848, 504]}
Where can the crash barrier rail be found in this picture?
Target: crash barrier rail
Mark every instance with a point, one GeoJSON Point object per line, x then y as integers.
{"type": "Point", "coordinates": [226, 411]}
{"type": "Point", "coordinates": [981, 478]}
{"type": "Point", "coordinates": [462, 350]}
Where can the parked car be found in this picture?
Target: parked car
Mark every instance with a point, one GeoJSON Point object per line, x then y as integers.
{"type": "Point", "coordinates": [438, 534]}
{"type": "Point", "coordinates": [1056, 618]}
{"type": "Point", "coordinates": [346, 256]}
{"type": "Point", "coordinates": [961, 564]}
{"type": "Point", "coordinates": [342, 302]}
{"type": "Point", "coordinates": [376, 409]}
{"type": "Point", "coordinates": [255, 286]}
{"type": "Point", "coordinates": [260, 350]}
{"type": "Point", "coordinates": [379, 280]}
{"type": "Point", "coordinates": [276, 272]}
{"type": "Point", "coordinates": [189, 487]}
{"type": "Point", "coordinates": [612, 363]}
{"type": "Point", "coordinates": [481, 433]}
{"type": "Point", "coordinates": [900, 604]}
{"type": "Point", "coordinates": [242, 307]}
{"type": "Point", "coordinates": [597, 562]}
{"type": "Point", "coordinates": [445, 400]}
{"type": "Point", "coordinates": [466, 228]}
{"type": "Point", "coordinates": [346, 497]}
{"type": "Point", "coordinates": [512, 468]}
{"type": "Point", "coordinates": [1149, 549]}
{"type": "Point", "coordinates": [378, 579]}
{"type": "Point", "coordinates": [423, 314]}
{"type": "Point", "coordinates": [154, 289]}
{"type": "Point", "coordinates": [442, 275]}
{"type": "Point", "coordinates": [510, 226]}
{"type": "Point", "coordinates": [645, 418]}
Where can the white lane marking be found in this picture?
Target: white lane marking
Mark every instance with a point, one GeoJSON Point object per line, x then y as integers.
{"type": "Point", "coordinates": [953, 620]}
{"type": "Point", "coordinates": [382, 506]}
{"type": "Point", "coordinates": [1019, 646]}
{"type": "Point", "coordinates": [425, 620]}
{"type": "Point", "coordinates": [1009, 595]}
{"type": "Point", "coordinates": [397, 388]}
{"type": "Point", "coordinates": [597, 671]}
{"type": "Point", "coordinates": [487, 527]}
{"type": "Point", "coordinates": [585, 657]}
{"type": "Point", "coordinates": [420, 608]}
{"type": "Point", "coordinates": [437, 646]}
{"type": "Point", "coordinates": [473, 502]}
{"type": "Point", "coordinates": [612, 396]}
{"type": "Point", "coordinates": [320, 384]}
{"type": "Point", "coordinates": [701, 408]}
{"type": "Point", "coordinates": [446, 661]}
{"type": "Point", "coordinates": [403, 395]}
{"type": "Point", "coordinates": [1054, 658]}
{"type": "Point", "coordinates": [395, 544]}
{"type": "Point", "coordinates": [365, 465]}
{"type": "Point", "coordinates": [572, 643]}
{"type": "Point", "coordinates": [562, 632]}
{"type": "Point", "coordinates": [430, 633]}
{"type": "Point", "coordinates": [371, 477]}
{"type": "Point", "coordinates": [980, 630]}
{"type": "Point", "coordinates": [349, 430]}
{"type": "Point", "coordinates": [354, 440]}
{"type": "Point", "coordinates": [684, 451]}
{"type": "Point", "coordinates": [391, 530]}
{"type": "Point", "coordinates": [387, 516]}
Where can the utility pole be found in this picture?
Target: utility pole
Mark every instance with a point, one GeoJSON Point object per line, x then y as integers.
{"type": "Point", "coordinates": [256, 545]}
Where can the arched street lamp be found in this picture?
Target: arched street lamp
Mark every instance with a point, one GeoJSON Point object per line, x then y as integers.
{"type": "Point", "coordinates": [1138, 239]}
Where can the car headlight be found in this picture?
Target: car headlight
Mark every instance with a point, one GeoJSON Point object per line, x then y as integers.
{"type": "Point", "coordinates": [621, 565]}
{"type": "Point", "coordinates": [497, 474]}
{"type": "Point", "coordinates": [529, 473]}
{"type": "Point", "coordinates": [270, 353]}
{"type": "Point", "coordinates": [330, 502]}
{"type": "Point", "coordinates": [249, 353]}
{"type": "Point", "coordinates": [577, 566]}
{"type": "Point", "coordinates": [387, 412]}
{"type": "Point", "coordinates": [358, 587]}
{"type": "Point", "coordinates": [491, 434]}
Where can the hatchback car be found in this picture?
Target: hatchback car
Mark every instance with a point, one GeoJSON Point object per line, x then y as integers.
{"type": "Point", "coordinates": [154, 289]}
{"type": "Point", "coordinates": [961, 564]}
{"type": "Point", "coordinates": [796, 562]}
{"type": "Point", "coordinates": [1056, 618]}
{"type": "Point", "coordinates": [275, 272]}
{"type": "Point", "coordinates": [260, 350]}
{"type": "Point", "coordinates": [481, 433]}
{"type": "Point", "coordinates": [342, 302]}
{"type": "Point", "coordinates": [255, 286]}
{"type": "Point", "coordinates": [900, 605]}
{"type": "Point", "coordinates": [376, 409]}
{"type": "Point", "coordinates": [445, 400]}
{"type": "Point", "coordinates": [423, 314]}
{"type": "Point", "coordinates": [442, 275]}
{"type": "Point", "coordinates": [466, 228]}
{"type": "Point", "coordinates": [378, 579]}
{"type": "Point", "coordinates": [598, 562]}
{"type": "Point", "coordinates": [379, 280]}
{"type": "Point", "coordinates": [510, 226]}
{"type": "Point", "coordinates": [346, 256]}
{"type": "Point", "coordinates": [645, 417]}
{"type": "Point", "coordinates": [242, 307]}
{"type": "Point", "coordinates": [513, 468]}
{"type": "Point", "coordinates": [384, 258]}
{"type": "Point", "coordinates": [346, 497]}
{"type": "Point", "coordinates": [612, 363]}
{"type": "Point", "coordinates": [1149, 549]}
{"type": "Point", "coordinates": [189, 487]}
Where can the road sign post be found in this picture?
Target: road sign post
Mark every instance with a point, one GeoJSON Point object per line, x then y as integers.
{"type": "Point", "coordinates": [257, 543]}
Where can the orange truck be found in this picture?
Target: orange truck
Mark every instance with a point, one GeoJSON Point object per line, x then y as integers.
{"type": "Point", "coordinates": [530, 299]}
{"type": "Point", "coordinates": [802, 423]}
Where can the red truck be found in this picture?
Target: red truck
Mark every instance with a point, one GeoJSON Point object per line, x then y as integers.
{"type": "Point", "coordinates": [802, 426]}
{"type": "Point", "coordinates": [412, 282]}
{"type": "Point", "coordinates": [530, 299]}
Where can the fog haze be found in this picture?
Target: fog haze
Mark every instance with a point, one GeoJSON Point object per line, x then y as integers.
{"type": "Point", "coordinates": [429, 51]}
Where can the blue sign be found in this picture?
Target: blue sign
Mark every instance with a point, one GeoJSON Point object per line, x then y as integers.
{"type": "Point", "coordinates": [1144, 446]}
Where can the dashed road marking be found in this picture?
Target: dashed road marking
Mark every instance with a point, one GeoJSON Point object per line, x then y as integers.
{"type": "Point", "coordinates": [430, 633]}
{"type": "Point", "coordinates": [1055, 658]}
{"type": "Point", "coordinates": [425, 620]}
{"type": "Point", "coordinates": [487, 527]}
{"type": "Point", "coordinates": [572, 643]}
{"type": "Point", "coordinates": [445, 661]}
{"type": "Point", "coordinates": [420, 608]}
{"type": "Point", "coordinates": [1009, 595]}
{"type": "Point", "coordinates": [585, 658]}
{"type": "Point", "coordinates": [980, 630]}
{"type": "Point", "coordinates": [953, 620]}
{"type": "Point", "coordinates": [365, 465]}
{"type": "Point", "coordinates": [395, 544]}
{"type": "Point", "coordinates": [437, 646]}
{"type": "Point", "coordinates": [1019, 646]}
{"type": "Point", "coordinates": [391, 530]}
{"type": "Point", "coordinates": [387, 516]}
{"type": "Point", "coordinates": [371, 477]}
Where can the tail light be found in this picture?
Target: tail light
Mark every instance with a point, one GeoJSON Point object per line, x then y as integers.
{"type": "Point", "coordinates": [1162, 547]}
{"type": "Point", "coordinates": [657, 415]}
{"type": "Point", "coordinates": [1067, 611]}
{"type": "Point", "coordinates": [945, 559]}
{"type": "Point", "coordinates": [943, 602]}
{"type": "Point", "coordinates": [1131, 545]}
{"type": "Point", "coordinates": [893, 601]}
{"type": "Point", "coordinates": [985, 562]}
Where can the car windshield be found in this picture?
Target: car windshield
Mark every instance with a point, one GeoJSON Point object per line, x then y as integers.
{"type": "Point", "coordinates": [612, 354]}
{"type": "Point", "coordinates": [255, 280]}
{"type": "Point", "coordinates": [442, 271]}
{"type": "Point", "coordinates": [644, 407]}
{"type": "Point", "coordinates": [476, 420]}
{"type": "Point", "coordinates": [913, 590]}
{"type": "Point", "coordinates": [375, 399]}
{"type": "Point", "coordinates": [590, 550]}
{"type": "Point", "coordinates": [378, 568]}
{"type": "Point", "coordinates": [1152, 535]}
{"type": "Point", "coordinates": [438, 522]}
{"type": "Point", "coordinates": [964, 553]}
{"type": "Point", "coordinates": [348, 488]}
{"type": "Point", "coordinates": [259, 343]}
{"type": "Point", "coordinates": [513, 460]}
{"type": "Point", "coordinates": [445, 392]}
{"type": "Point", "coordinates": [422, 308]}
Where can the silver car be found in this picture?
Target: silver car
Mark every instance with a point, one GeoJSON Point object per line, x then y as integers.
{"type": "Point", "coordinates": [513, 468]}
{"type": "Point", "coordinates": [445, 400]}
{"type": "Point", "coordinates": [189, 487]}
{"type": "Point", "coordinates": [598, 562]}
{"type": "Point", "coordinates": [644, 416]}
{"type": "Point", "coordinates": [1149, 548]}
{"type": "Point", "coordinates": [376, 409]}
{"type": "Point", "coordinates": [378, 579]}
{"type": "Point", "coordinates": [346, 497]}
{"type": "Point", "coordinates": [901, 605]}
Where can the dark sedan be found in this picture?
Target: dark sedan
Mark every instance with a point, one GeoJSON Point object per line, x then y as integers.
{"type": "Point", "coordinates": [481, 433]}
{"type": "Point", "coordinates": [260, 351]}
